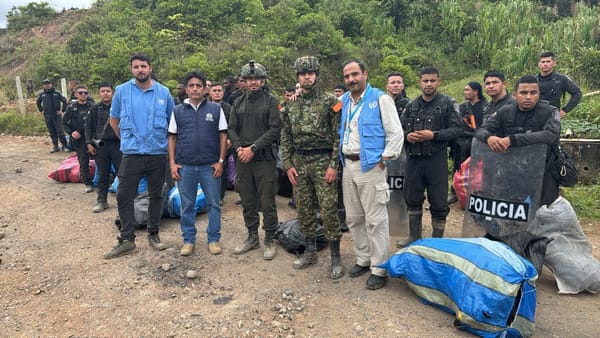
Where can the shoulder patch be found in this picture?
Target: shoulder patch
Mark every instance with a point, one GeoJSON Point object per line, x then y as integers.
{"type": "Point", "coordinates": [337, 107]}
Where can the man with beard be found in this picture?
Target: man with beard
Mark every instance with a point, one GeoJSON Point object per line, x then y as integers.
{"type": "Point", "coordinates": [254, 127]}
{"type": "Point", "coordinates": [140, 115]}
{"type": "Point", "coordinates": [429, 122]}
{"type": "Point", "coordinates": [370, 135]}
{"type": "Point", "coordinates": [310, 151]}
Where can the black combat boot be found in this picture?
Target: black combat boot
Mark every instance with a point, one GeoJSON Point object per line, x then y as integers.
{"type": "Point", "coordinates": [249, 244]}
{"type": "Point", "coordinates": [452, 196]}
{"type": "Point", "coordinates": [269, 250]}
{"type": "Point", "coordinates": [337, 269]}
{"type": "Point", "coordinates": [415, 227]}
{"type": "Point", "coordinates": [438, 226]}
{"type": "Point", "coordinates": [309, 256]}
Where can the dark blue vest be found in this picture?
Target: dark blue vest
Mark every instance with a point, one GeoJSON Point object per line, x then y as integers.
{"type": "Point", "coordinates": [197, 133]}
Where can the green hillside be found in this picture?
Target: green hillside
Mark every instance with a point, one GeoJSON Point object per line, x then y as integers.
{"type": "Point", "coordinates": [462, 38]}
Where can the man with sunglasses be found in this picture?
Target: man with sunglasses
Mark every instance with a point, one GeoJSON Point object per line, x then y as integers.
{"type": "Point", "coordinates": [74, 125]}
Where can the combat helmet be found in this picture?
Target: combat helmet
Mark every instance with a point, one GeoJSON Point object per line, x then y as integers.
{"type": "Point", "coordinates": [306, 64]}
{"type": "Point", "coordinates": [253, 69]}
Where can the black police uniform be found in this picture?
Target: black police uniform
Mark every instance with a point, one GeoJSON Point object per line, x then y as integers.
{"type": "Point", "coordinates": [554, 86]}
{"type": "Point", "coordinates": [97, 128]}
{"type": "Point", "coordinates": [74, 120]}
{"type": "Point", "coordinates": [426, 165]}
{"type": "Point", "coordinates": [49, 102]}
{"type": "Point", "coordinates": [539, 125]}
{"type": "Point", "coordinates": [460, 147]}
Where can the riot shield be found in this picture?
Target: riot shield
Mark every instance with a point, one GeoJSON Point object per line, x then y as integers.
{"type": "Point", "coordinates": [396, 207]}
{"type": "Point", "coordinates": [504, 189]}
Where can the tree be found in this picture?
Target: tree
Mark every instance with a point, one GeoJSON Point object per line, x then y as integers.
{"type": "Point", "coordinates": [31, 15]}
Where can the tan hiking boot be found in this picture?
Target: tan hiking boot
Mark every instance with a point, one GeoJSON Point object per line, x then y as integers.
{"type": "Point", "coordinates": [187, 249]}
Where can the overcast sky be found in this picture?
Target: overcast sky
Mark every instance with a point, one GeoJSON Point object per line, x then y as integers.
{"type": "Point", "coordinates": [6, 5]}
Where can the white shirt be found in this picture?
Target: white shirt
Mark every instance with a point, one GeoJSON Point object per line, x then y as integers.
{"type": "Point", "coordinates": [173, 123]}
{"type": "Point", "coordinates": [394, 135]}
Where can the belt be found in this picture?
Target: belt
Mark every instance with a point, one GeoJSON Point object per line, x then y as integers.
{"type": "Point", "coordinates": [306, 152]}
{"type": "Point", "coordinates": [352, 157]}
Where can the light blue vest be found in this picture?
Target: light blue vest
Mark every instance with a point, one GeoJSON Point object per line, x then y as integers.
{"type": "Point", "coordinates": [143, 117]}
{"type": "Point", "coordinates": [370, 128]}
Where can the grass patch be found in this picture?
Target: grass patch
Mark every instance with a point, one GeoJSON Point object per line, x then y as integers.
{"type": "Point", "coordinates": [30, 124]}
{"type": "Point", "coordinates": [584, 199]}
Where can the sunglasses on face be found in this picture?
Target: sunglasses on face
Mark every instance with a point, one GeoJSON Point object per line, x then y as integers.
{"type": "Point", "coordinates": [82, 93]}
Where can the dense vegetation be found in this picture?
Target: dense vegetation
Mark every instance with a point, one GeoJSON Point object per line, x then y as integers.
{"type": "Point", "coordinates": [463, 38]}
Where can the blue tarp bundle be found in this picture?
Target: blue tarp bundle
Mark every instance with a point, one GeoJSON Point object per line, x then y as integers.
{"type": "Point", "coordinates": [173, 209]}
{"type": "Point", "coordinates": [489, 288]}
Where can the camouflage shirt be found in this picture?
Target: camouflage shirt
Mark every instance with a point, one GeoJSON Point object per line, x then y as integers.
{"type": "Point", "coordinates": [310, 123]}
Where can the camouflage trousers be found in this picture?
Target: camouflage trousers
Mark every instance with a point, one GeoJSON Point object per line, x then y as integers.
{"type": "Point", "coordinates": [313, 194]}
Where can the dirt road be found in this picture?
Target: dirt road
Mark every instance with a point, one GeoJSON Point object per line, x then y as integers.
{"type": "Point", "coordinates": [54, 281]}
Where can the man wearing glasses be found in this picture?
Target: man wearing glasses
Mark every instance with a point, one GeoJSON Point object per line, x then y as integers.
{"type": "Point", "coordinates": [74, 125]}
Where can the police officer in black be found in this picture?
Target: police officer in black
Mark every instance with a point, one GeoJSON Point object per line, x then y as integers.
{"type": "Point", "coordinates": [429, 122]}
{"type": "Point", "coordinates": [471, 113]}
{"type": "Point", "coordinates": [74, 124]}
{"type": "Point", "coordinates": [526, 121]}
{"type": "Point", "coordinates": [102, 143]}
{"type": "Point", "coordinates": [554, 85]}
{"type": "Point", "coordinates": [53, 104]}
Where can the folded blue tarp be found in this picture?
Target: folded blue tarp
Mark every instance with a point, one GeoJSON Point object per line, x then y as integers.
{"type": "Point", "coordinates": [489, 288]}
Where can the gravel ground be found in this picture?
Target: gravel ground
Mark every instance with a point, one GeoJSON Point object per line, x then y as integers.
{"type": "Point", "coordinates": [54, 281]}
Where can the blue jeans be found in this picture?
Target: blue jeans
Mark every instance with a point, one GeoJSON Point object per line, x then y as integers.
{"type": "Point", "coordinates": [191, 175]}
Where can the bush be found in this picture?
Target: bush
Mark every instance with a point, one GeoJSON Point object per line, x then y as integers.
{"type": "Point", "coordinates": [584, 120]}
{"type": "Point", "coordinates": [30, 124]}
{"type": "Point", "coordinates": [584, 199]}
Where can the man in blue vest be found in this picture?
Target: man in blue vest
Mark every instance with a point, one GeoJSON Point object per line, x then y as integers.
{"type": "Point", "coordinates": [139, 115]}
{"type": "Point", "coordinates": [197, 146]}
{"type": "Point", "coordinates": [370, 135]}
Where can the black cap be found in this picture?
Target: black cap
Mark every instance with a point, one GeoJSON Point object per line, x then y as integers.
{"type": "Point", "coordinates": [47, 81]}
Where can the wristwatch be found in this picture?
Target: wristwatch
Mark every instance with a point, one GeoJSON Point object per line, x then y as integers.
{"type": "Point", "coordinates": [221, 160]}
{"type": "Point", "coordinates": [253, 148]}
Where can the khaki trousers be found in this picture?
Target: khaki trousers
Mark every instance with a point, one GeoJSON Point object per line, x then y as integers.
{"type": "Point", "coordinates": [365, 197]}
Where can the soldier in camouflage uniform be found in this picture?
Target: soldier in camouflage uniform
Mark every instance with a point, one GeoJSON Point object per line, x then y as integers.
{"type": "Point", "coordinates": [310, 147]}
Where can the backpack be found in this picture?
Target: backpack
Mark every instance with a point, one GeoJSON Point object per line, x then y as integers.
{"type": "Point", "coordinates": [563, 168]}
